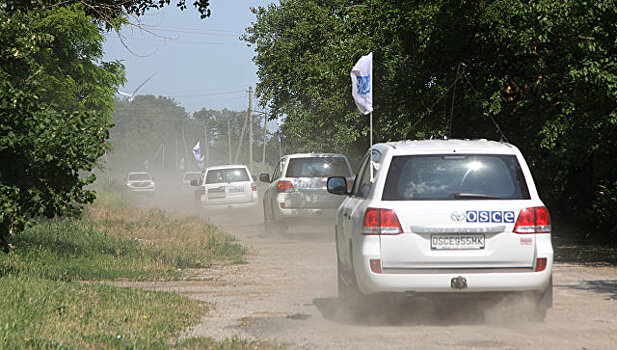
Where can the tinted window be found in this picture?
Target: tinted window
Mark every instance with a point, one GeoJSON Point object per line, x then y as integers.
{"type": "Point", "coordinates": [227, 175]}
{"type": "Point", "coordinates": [317, 167]}
{"type": "Point", "coordinates": [448, 177]}
{"type": "Point", "coordinates": [189, 177]}
{"type": "Point", "coordinates": [139, 177]}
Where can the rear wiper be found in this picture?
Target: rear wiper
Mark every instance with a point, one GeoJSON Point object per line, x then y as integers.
{"type": "Point", "coordinates": [472, 196]}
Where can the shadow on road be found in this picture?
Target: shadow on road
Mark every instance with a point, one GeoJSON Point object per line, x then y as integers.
{"type": "Point", "coordinates": [608, 287]}
{"type": "Point", "coordinates": [401, 312]}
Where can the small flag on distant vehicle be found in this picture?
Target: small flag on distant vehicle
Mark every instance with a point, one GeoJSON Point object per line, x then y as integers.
{"type": "Point", "coordinates": [196, 152]}
{"type": "Point", "coordinates": [362, 84]}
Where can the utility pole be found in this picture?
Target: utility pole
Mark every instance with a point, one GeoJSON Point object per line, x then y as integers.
{"type": "Point", "coordinates": [263, 156]}
{"type": "Point", "coordinates": [186, 159]}
{"type": "Point", "coordinates": [250, 129]}
{"type": "Point", "coordinates": [206, 141]}
{"type": "Point", "coordinates": [176, 150]}
{"type": "Point", "coordinates": [243, 128]}
{"type": "Point", "coordinates": [229, 138]}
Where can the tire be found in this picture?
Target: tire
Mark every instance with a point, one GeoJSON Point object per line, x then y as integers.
{"type": "Point", "coordinates": [347, 287]}
{"type": "Point", "coordinates": [543, 302]}
{"type": "Point", "coordinates": [348, 291]}
{"type": "Point", "coordinates": [271, 225]}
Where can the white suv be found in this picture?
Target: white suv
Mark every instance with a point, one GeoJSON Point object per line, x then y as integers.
{"type": "Point", "coordinates": [297, 190]}
{"type": "Point", "coordinates": [226, 186]}
{"type": "Point", "coordinates": [444, 217]}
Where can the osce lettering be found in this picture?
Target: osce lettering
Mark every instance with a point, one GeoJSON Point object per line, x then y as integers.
{"type": "Point", "coordinates": [489, 216]}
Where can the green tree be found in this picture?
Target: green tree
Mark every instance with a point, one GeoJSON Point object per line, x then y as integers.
{"type": "Point", "coordinates": [56, 98]}
{"type": "Point", "coordinates": [55, 104]}
{"type": "Point", "coordinates": [540, 74]}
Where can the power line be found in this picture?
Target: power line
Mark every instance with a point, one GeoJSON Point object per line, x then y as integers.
{"type": "Point", "coordinates": [184, 41]}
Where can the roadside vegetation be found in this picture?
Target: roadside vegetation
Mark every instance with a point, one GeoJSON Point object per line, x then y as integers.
{"type": "Point", "coordinates": [53, 279]}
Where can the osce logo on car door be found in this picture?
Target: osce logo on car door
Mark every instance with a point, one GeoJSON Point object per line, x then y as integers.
{"type": "Point", "coordinates": [495, 216]}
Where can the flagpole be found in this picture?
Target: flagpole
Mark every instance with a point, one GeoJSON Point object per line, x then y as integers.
{"type": "Point", "coordinates": [371, 145]}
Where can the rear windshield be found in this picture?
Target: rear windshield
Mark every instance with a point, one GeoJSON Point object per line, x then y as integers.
{"type": "Point", "coordinates": [226, 175]}
{"type": "Point", "coordinates": [460, 177]}
{"type": "Point", "coordinates": [317, 167]}
{"type": "Point", "coordinates": [189, 177]}
{"type": "Point", "coordinates": [138, 177]}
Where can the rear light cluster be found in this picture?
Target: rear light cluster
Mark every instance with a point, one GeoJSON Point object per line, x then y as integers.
{"type": "Point", "coordinates": [375, 265]}
{"type": "Point", "coordinates": [378, 221]}
{"type": "Point", "coordinates": [253, 186]}
{"type": "Point", "coordinates": [541, 264]}
{"type": "Point", "coordinates": [284, 186]}
{"type": "Point", "coordinates": [203, 190]}
{"type": "Point", "coordinates": [533, 220]}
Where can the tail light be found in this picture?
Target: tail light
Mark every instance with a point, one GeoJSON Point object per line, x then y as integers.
{"type": "Point", "coordinates": [540, 264]}
{"type": "Point", "coordinates": [381, 221]}
{"type": "Point", "coordinates": [284, 186]}
{"type": "Point", "coordinates": [253, 186]}
{"type": "Point", "coordinates": [203, 190]}
{"type": "Point", "coordinates": [533, 220]}
{"type": "Point", "coordinates": [375, 265]}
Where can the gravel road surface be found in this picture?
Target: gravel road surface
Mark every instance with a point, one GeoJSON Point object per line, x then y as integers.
{"type": "Point", "coordinates": [286, 294]}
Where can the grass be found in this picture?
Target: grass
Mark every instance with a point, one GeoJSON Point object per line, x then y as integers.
{"type": "Point", "coordinates": [42, 313]}
{"type": "Point", "coordinates": [47, 304]}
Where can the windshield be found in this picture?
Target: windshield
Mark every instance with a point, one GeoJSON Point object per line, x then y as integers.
{"type": "Point", "coordinates": [460, 177]}
{"type": "Point", "coordinates": [227, 175]}
{"type": "Point", "coordinates": [139, 177]}
{"type": "Point", "coordinates": [189, 177]}
{"type": "Point", "coordinates": [317, 167]}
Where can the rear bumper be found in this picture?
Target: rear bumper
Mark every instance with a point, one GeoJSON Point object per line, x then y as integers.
{"type": "Point", "coordinates": [305, 214]}
{"type": "Point", "coordinates": [227, 205]}
{"type": "Point", "coordinates": [436, 282]}
{"type": "Point", "coordinates": [222, 206]}
{"type": "Point", "coordinates": [141, 190]}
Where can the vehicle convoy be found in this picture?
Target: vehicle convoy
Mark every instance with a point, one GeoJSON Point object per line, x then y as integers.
{"type": "Point", "coordinates": [226, 186]}
{"type": "Point", "coordinates": [297, 190]}
{"type": "Point", "coordinates": [140, 182]}
{"type": "Point", "coordinates": [444, 218]}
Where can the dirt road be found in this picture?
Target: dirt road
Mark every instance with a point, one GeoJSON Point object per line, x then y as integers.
{"type": "Point", "coordinates": [286, 294]}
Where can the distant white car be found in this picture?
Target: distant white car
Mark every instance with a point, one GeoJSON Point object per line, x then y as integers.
{"type": "Point", "coordinates": [227, 186]}
{"type": "Point", "coordinates": [140, 182]}
{"type": "Point", "coordinates": [297, 190]}
{"type": "Point", "coordinates": [188, 177]}
{"type": "Point", "coordinates": [444, 218]}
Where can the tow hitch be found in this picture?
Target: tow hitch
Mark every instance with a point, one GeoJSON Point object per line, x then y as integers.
{"type": "Point", "coordinates": [458, 282]}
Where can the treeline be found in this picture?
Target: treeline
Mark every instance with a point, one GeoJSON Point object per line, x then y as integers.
{"type": "Point", "coordinates": [155, 133]}
{"type": "Point", "coordinates": [541, 75]}
{"type": "Point", "coordinates": [56, 100]}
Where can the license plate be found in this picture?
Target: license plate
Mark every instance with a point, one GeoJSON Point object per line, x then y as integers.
{"type": "Point", "coordinates": [216, 193]}
{"type": "Point", "coordinates": [236, 189]}
{"type": "Point", "coordinates": [457, 242]}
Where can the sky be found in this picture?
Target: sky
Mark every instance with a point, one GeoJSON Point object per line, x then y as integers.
{"type": "Point", "coordinates": [199, 63]}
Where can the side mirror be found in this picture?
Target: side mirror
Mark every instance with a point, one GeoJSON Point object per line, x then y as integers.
{"type": "Point", "coordinates": [194, 183]}
{"type": "Point", "coordinates": [337, 185]}
{"type": "Point", "coordinates": [264, 178]}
